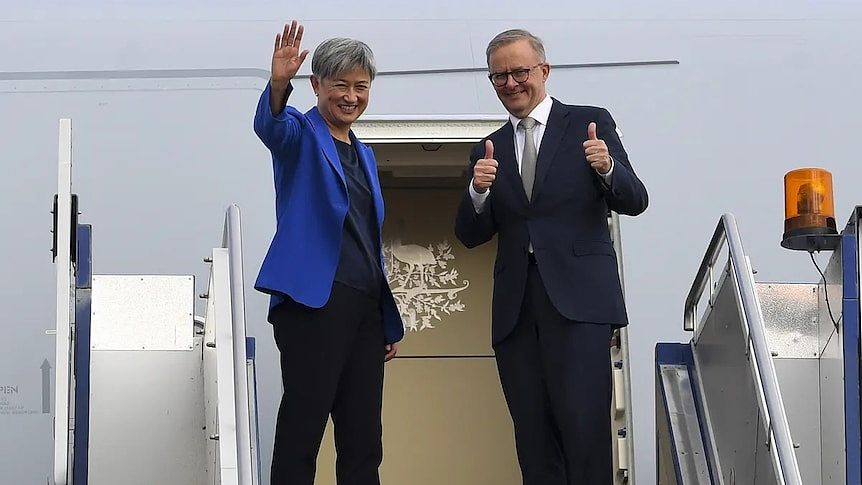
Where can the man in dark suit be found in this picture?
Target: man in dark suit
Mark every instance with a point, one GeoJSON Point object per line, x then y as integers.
{"type": "Point", "coordinates": [544, 183]}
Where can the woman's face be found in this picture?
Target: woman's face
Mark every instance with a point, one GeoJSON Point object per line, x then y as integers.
{"type": "Point", "coordinates": [343, 98]}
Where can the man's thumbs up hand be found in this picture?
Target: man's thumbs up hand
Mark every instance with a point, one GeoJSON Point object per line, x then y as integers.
{"type": "Point", "coordinates": [485, 170]}
{"type": "Point", "coordinates": [591, 131]}
{"type": "Point", "coordinates": [596, 151]}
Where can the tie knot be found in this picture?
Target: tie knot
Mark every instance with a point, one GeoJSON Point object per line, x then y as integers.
{"type": "Point", "coordinates": [527, 123]}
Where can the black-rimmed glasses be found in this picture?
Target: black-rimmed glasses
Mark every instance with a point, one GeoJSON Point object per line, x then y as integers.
{"type": "Point", "coordinates": [500, 79]}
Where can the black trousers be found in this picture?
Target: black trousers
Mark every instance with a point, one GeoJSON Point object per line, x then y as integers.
{"type": "Point", "coordinates": [331, 363]}
{"type": "Point", "coordinates": [556, 377]}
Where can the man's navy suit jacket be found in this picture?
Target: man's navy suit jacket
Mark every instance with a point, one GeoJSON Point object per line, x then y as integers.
{"type": "Point", "coordinates": [566, 221]}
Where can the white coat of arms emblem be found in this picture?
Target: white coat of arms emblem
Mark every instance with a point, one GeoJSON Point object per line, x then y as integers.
{"type": "Point", "coordinates": [423, 282]}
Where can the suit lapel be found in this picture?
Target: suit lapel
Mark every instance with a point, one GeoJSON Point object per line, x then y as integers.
{"type": "Point", "coordinates": [324, 137]}
{"type": "Point", "coordinates": [558, 123]}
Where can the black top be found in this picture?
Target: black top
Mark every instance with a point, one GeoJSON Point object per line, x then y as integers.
{"type": "Point", "coordinates": [359, 262]}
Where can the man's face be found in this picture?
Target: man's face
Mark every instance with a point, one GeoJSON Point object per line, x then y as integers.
{"type": "Point", "coordinates": [519, 98]}
{"type": "Point", "coordinates": [343, 99]}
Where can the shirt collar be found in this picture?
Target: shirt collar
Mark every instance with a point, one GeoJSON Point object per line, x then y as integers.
{"type": "Point", "coordinates": [540, 113]}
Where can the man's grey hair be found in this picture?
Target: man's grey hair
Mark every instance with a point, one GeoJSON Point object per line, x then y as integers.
{"type": "Point", "coordinates": [334, 57]}
{"type": "Point", "coordinates": [513, 35]}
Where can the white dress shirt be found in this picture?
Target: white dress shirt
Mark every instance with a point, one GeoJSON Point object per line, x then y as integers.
{"type": "Point", "coordinates": [540, 113]}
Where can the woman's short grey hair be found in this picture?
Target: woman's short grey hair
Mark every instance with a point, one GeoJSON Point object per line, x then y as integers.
{"type": "Point", "coordinates": [513, 35]}
{"type": "Point", "coordinates": [334, 57]}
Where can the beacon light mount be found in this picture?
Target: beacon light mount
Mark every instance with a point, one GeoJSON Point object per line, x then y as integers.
{"type": "Point", "coordinates": [809, 211]}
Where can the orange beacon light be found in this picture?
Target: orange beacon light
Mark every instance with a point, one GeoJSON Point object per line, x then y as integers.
{"type": "Point", "coordinates": [809, 210]}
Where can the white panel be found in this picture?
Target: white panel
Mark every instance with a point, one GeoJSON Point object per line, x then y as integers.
{"type": "Point", "coordinates": [65, 294]}
{"type": "Point", "coordinates": [799, 381]}
{"type": "Point", "coordinates": [832, 373]}
{"type": "Point", "coordinates": [430, 130]}
{"type": "Point", "coordinates": [683, 419]}
{"type": "Point", "coordinates": [142, 312]}
{"type": "Point", "coordinates": [619, 391]}
{"type": "Point", "coordinates": [232, 241]}
{"type": "Point", "coordinates": [623, 453]}
{"type": "Point", "coordinates": [210, 374]}
{"type": "Point", "coordinates": [790, 312]}
{"type": "Point", "coordinates": [832, 410]}
{"type": "Point", "coordinates": [147, 418]}
{"type": "Point", "coordinates": [254, 439]}
{"type": "Point", "coordinates": [218, 320]}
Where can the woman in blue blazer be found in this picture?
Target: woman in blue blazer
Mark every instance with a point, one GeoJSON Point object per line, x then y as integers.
{"type": "Point", "coordinates": [334, 319]}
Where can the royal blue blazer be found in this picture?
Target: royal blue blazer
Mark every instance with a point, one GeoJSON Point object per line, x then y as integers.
{"type": "Point", "coordinates": [311, 203]}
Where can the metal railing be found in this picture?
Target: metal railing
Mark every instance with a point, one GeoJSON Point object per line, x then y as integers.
{"type": "Point", "coordinates": [770, 401]}
{"type": "Point", "coordinates": [65, 312]}
{"type": "Point", "coordinates": [232, 459]}
{"type": "Point", "coordinates": [232, 241]}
